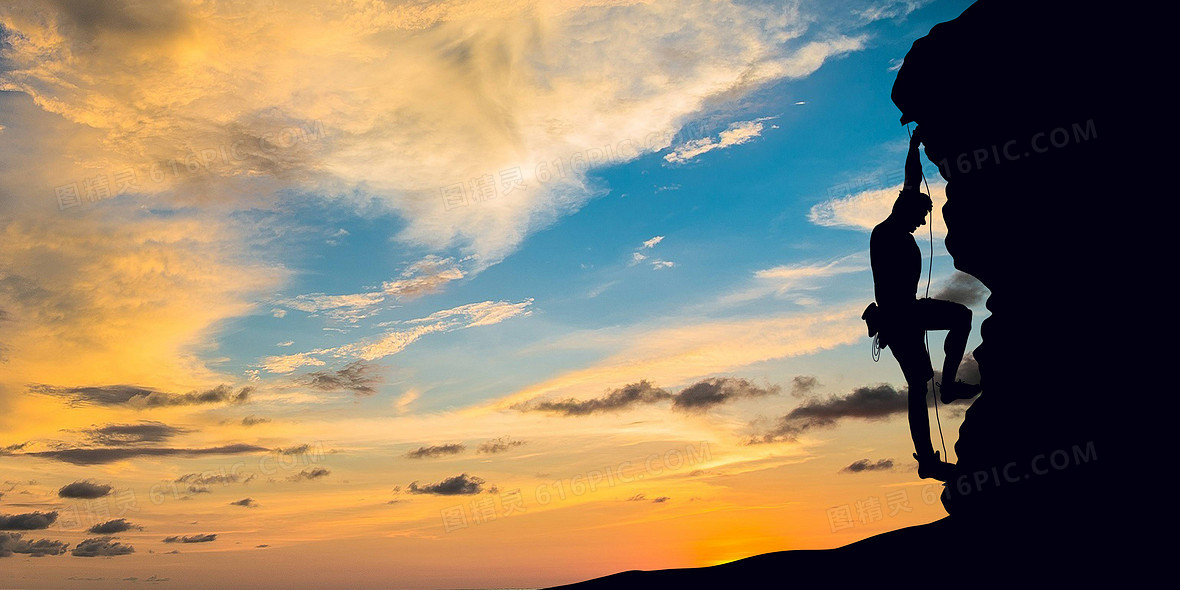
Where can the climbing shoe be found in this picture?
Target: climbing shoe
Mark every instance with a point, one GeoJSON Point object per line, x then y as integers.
{"type": "Point", "coordinates": [950, 392]}
{"type": "Point", "coordinates": [933, 467]}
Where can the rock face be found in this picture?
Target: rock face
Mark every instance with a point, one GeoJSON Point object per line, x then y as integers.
{"type": "Point", "coordinates": [1012, 101]}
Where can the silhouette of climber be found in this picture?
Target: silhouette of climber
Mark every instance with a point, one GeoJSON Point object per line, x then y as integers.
{"type": "Point", "coordinates": [902, 319]}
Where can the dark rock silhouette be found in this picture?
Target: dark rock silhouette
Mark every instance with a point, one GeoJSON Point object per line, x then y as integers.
{"type": "Point", "coordinates": [940, 552]}
{"type": "Point", "coordinates": [1015, 103]}
{"type": "Point", "coordinates": [1010, 109]}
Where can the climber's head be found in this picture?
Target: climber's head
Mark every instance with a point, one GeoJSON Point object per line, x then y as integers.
{"type": "Point", "coordinates": [910, 209]}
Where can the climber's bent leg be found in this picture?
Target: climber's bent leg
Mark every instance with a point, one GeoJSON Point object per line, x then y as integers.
{"type": "Point", "coordinates": [954, 317]}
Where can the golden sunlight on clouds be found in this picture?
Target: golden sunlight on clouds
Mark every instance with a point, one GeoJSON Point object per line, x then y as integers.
{"type": "Point", "coordinates": [120, 301]}
{"type": "Point", "coordinates": [475, 121]}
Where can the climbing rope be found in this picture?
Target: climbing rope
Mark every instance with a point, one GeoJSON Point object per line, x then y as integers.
{"type": "Point", "coordinates": [929, 273]}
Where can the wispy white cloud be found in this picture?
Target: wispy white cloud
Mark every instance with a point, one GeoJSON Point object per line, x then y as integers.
{"type": "Point", "coordinates": [317, 302]}
{"type": "Point", "coordinates": [484, 313]}
{"type": "Point", "coordinates": [600, 289]}
{"type": "Point", "coordinates": [393, 341]}
{"type": "Point", "coordinates": [656, 263]}
{"type": "Point", "coordinates": [428, 275]}
{"type": "Point", "coordinates": [890, 9]}
{"type": "Point", "coordinates": [403, 402]}
{"type": "Point", "coordinates": [737, 134]}
{"type": "Point", "coordinates": [795, 279]}
{"type": "Point", "coordinates": [287, 363]}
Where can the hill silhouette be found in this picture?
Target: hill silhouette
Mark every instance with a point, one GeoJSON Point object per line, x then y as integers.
{"type": "Point", "coordinates": [1015, 104]}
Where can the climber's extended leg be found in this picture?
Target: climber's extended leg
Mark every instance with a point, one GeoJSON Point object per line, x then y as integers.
{"type": "Point", "coordinates": [919, 419]}
{"type": "Point", "coordinates": [909, 348]}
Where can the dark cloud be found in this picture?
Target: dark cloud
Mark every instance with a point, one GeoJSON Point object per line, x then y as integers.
{"type": "Point", "coordinates": [297, 450]}
{"type": "Point", "coordinates": [637, 498]}
{"type": "Point", "coordinates": [802, 385]}
{"type": "Point", "coordinates": [101, 547]}
{"type": "Point", "coordinates": [106, 395]}
{"type": "Point", "coordinates": [962, 288]}
{"type": "Point", "coordinates": [462, 484]}
{"type": "Point", "coordinates": [699, 396]}
{"type": "Point", "coordinates": [308, 474]}
{"type": "Point", "coordinates": [29, 521]}
{"type": "Point", "coordinates": [147, 431]}
{"type": "Point", "coordinates": [100, 456]}
{"type": "Point", "coordinates": [355, 376]}
{"type": "Point", "coordinates": [867, 465]}
{"type": "Point", "coordinates": [142, 397]}
{"type": "Point", "coordinates": [436, 451]}
{"type": "Point", "coordinates": [624, 397]}
{"type": "Point", "coordinates": [14, 543]}
{"type": "Point", "coordinates": [202, 538]}
{"type": "Point", "coordinates": [208, 478]}
{"type": "Point", "coordinates": [499, 445]}
{"type": "Point", "coordinates": [84, 489]}
{"type": "Point", "coordinates": [866, 403]}
{"type": "Point", "coordinates": [111, 527]}
{"type": "Point", "coordinates": [712, 392]}
{"type": "Point", "coordinates": [122, 21]}
{"type": "Point", "coordinates": [251, 420]}
{"type": "Point", "coordinates": [247, 502]}
{"type": "Point", "coordinates": [661, 499]}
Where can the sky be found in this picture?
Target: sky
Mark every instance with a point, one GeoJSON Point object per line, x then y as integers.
{"type": "Point", "coordinates": [470, 293]}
